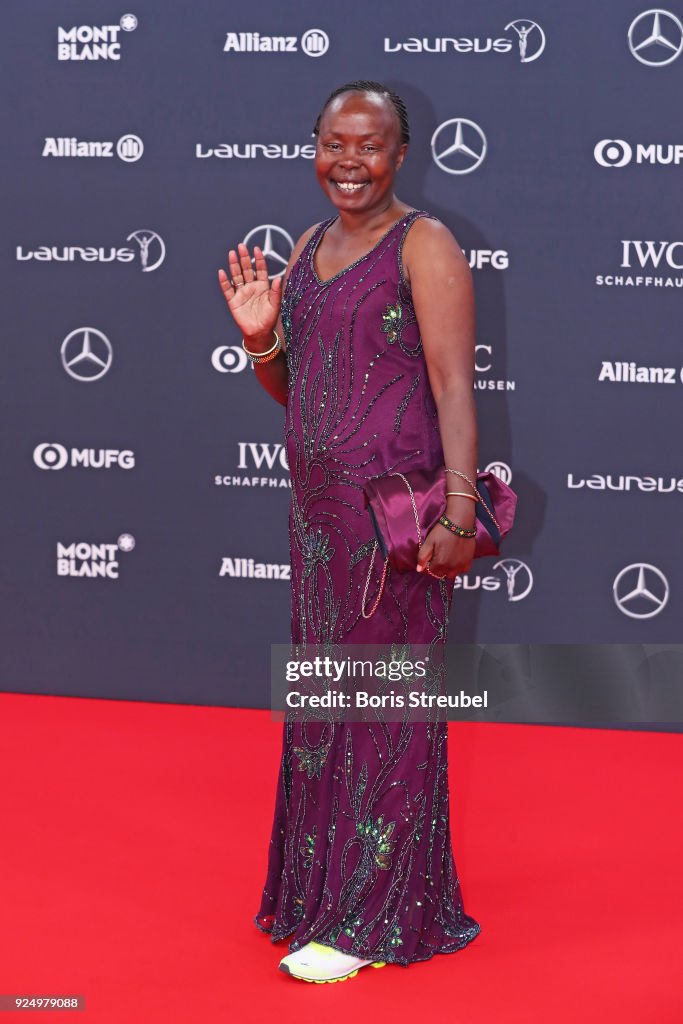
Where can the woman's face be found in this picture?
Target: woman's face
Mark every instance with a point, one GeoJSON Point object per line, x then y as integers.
{"type": "Point", "coordinates": [358, 151]}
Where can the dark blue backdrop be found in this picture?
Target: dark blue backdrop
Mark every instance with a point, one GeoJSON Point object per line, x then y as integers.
{"type": "Point", "coordinates": [141, 460]}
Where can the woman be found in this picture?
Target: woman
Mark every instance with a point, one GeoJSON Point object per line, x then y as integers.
{"type": "Point", "coordinates": [370, 347]}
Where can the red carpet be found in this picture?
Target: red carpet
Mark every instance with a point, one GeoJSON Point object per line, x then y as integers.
{"type": "Point", "coordinates": [133, 855]}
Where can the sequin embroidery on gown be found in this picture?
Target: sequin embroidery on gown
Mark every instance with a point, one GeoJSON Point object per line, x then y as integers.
{"type": "Point", "coordinates": [360, 855]}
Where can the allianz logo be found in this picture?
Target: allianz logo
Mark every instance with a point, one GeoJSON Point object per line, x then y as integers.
{"type": "Point", "coordinates": [128, 148]}
{"type": "Point", "coordinates": [254, 150]}
{"type": "Point", "coordinates": [622, 372]}
{"type": "Point", "coordinates": [247, 568]}
{"type": "Point", "coordinates": [612, 482]}
{"type": "Point", "coordinates": [314, 43]}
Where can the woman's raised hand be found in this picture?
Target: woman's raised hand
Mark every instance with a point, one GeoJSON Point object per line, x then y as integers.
{"type": "Point", "coordinates": [253, 302]}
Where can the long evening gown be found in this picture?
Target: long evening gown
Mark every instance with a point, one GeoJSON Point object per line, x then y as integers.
{"type": "Point", "coordinates": [360, 855]}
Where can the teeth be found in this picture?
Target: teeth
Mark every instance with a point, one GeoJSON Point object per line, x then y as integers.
{"type": "Point", "coordinates": [349, 186]}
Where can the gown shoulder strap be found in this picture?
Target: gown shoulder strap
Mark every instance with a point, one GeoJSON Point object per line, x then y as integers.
{"type": "Point", "coordinates": [408, 222]}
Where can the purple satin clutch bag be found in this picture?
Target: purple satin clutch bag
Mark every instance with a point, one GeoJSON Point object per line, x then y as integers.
{"type": "Point", "coordinates": [405, 506]}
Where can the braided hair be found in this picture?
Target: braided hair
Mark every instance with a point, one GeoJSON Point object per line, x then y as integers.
{"type": "Point", "coordinates": [362, 85]}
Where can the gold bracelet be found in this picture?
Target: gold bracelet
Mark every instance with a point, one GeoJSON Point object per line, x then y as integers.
{"type": "Point", "coordinates": [464, 494]}
{"type": "Point", "coordinates": [457, 472]}
{"type": "Point", "coordinates": [267, 354]}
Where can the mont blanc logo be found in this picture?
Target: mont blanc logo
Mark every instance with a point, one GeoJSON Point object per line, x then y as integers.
{"type": "Point", "coordinates": [619, 153]}
{"type": "Point", "coordinates": [248, 569]}
{"type": "Point", "coordinates": [51, 455]}
{"type": "Point", "coordinates": [622, 482]}
{"type": "Point", "coordinates": [314, 43]}
{"type": "Point", "coordinates": [128, 148]}
{"type": "Point", "coordinates": [640, 590]}
{"type": "Point", "coordinates": [276, 245]}
{"type": "Point", "coordinates": [622, 372]}
{"type": "Point", "coordinates": [458, 146]}
{"type": "Point", "coordinates": [149, 248]}
{"type": "Point", "coordinates": [83, 559]}
{"type": "Point", "coordinates": [86, 354]}
{"type": "Point", "coordinates": [525, 36]}
{"type": "Point", "coordinates": [229, 359]}
{"type": "Point", "coordinates": [255, 459]}
{"type": "Point", "coordinates": [655, 37]}
{"type": "Point", "coordinates": [254, 151]}
{"type": "Point", "coordinates": [516, 578]}
{"type": "Point", "coordinates": [656, 257]}
{"type": "Point", "coordinates": [93, 42]}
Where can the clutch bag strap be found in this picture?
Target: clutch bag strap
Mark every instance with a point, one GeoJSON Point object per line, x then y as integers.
{"type": "Point", "coordinates": [367, 614]}
{"type": "Point", "coordinates": [412, 502]}
{"type": "Point", "coordinates": [364, 612]}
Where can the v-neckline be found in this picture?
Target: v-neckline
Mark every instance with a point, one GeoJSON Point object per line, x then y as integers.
{"type": "Point", "coordinates": [360, 259]}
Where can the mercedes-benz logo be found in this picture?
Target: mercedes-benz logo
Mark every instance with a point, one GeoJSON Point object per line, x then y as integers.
{"type": "Point", "coordinates": [274, 242]}
{"type": "Point", "coordinates": [640, 590]}
{"type": "Point", "coordinates": [145, 240]}
{"type": "Point", "coordinates": [458, 146]}
{"type": "Point", "coordinates": [86, 354]}
{"type": "Point", "coordinates": [525, 28]}
{"type": "Point", "coordinates": [655, 37]}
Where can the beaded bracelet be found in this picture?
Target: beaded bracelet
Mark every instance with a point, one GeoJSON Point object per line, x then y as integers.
{"type": "Point", "coordinates": [270, 353]}
{"type": "Point", "coordinates": [454, 528]}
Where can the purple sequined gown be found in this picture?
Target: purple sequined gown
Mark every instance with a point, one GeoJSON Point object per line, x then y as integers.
{"type": "Point", "coordinates": [360, 855]}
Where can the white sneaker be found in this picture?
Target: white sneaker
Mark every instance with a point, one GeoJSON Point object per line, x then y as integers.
{"type": "Point", "coordinates": [319, 963]}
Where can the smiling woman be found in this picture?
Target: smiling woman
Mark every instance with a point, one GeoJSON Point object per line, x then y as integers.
{"type": "Point", "coordinates": [370, 348]}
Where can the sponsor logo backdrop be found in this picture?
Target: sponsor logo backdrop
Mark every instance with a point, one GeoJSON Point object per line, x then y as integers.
{"type": "Point", "coordinates": [146, 489]}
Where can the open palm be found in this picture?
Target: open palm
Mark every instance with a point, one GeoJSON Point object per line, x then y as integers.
{"type": "Point", "coordinates": [253, 301]}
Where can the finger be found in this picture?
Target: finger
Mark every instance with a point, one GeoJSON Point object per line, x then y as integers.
{"type": "Point", "coordinates": [261, 265]}
{"type": "Point", "coordinates": [234, 267]}
{"type": "Point", "coordinates": [225, 285]}
{"type": "Point", "coordinates": [245, 261]}
{"type": "Point", "coordinates": [424, 555]}
{"type": "Point", "coordinates": [437, 568]}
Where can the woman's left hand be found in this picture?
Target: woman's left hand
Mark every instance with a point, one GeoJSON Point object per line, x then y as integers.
{"type": "Point", "coordinates": [445, 554]}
